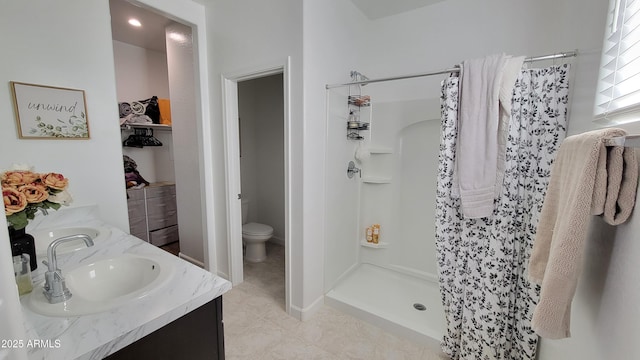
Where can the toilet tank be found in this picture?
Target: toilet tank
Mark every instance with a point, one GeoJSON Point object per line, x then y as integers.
{"type": "Point", "coordinates": [245, 210]}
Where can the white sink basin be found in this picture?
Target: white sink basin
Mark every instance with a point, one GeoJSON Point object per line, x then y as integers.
{"type": "Point", "coordinates": [44, 237]}
{"type": "Point", "coordinates": [104, 284]}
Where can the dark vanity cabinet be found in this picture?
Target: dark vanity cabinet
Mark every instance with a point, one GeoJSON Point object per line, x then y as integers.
{"type": "Point", "coordinates": [196, 335]}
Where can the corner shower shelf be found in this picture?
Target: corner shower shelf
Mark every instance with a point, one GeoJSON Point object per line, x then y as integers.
{"type": "Point", "coordinates": [357, 125]}
{"type": "Point", "coordinates": [376, 180]}
{"type": "Point", "coordinates": [380, 245]}
{"type": "Point", "coordinates": [354, 123]}
{"type": "Point", "coordinates": [359, 100]}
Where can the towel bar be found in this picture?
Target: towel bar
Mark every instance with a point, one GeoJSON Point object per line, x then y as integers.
{"type": "Point", "coordinates": [627, 141]}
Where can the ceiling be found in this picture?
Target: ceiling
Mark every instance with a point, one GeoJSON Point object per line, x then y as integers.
{"type": "Point", "coordinates": [151, 35]}
{"type": "Point", "coordinates": [376, 9]}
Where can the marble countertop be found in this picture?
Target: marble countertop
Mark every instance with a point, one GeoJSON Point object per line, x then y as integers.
{"type": "Point", "coordinates": [97, 335]}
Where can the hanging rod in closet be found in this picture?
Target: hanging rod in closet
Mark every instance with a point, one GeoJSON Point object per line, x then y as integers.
{"type": "Point", "coordinates": [453, 69]}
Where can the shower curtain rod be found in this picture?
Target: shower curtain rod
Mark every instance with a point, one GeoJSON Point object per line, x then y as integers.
{"type": "Point", "coordinates": [453, 69]}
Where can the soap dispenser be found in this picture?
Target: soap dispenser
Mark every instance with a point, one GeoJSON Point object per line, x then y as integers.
{"type": "Point", "coordinates": [22, 271]}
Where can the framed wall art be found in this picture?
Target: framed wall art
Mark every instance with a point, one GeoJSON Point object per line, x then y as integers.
{"type": "Point", "coordinates": [49, 112]}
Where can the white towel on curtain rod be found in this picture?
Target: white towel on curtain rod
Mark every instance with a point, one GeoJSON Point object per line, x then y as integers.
{"type": "Point", "coordinates": [485, 108]}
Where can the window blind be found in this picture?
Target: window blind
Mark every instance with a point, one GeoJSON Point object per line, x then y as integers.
{"type": "Point", "coordinates": [618, 92]}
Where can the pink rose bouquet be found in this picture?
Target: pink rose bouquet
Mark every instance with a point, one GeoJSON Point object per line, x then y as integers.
{"type": "Point", "coordinates": [24, 192]}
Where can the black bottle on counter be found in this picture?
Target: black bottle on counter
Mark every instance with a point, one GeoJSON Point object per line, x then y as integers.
{"type": "Point", "coordinates": [23, 243]}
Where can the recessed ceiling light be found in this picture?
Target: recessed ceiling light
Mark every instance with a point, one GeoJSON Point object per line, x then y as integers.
{"type": "Point", "coordinates": [135, 22]}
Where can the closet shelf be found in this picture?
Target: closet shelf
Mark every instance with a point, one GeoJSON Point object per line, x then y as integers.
{"type": "Point", "coordinates": [146, 126]}
{"type": "Point", "coordinates": [376, 180]}
{"type": "Point", "coordinates": [380, 245]}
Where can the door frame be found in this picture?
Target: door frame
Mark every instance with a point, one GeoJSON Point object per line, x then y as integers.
{"type": "Point", "coordinates": [232, 165]}
{"type": "Point", "coordinates": [193, 15]}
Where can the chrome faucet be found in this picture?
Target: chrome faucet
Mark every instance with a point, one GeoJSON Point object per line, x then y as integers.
{"type": "Point", "coordinates": [55, 289]}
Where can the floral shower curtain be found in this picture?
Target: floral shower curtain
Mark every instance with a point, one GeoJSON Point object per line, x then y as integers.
{"type": "Point", "coordinates": [482, 263]}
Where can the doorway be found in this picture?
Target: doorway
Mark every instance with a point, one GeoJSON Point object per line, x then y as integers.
{"type": "Point", "coordinates": [238, 187]}
{"type": "Point", "coordinates": [193, 155]}
{"type": "Point", "coordinates": [261, 127]}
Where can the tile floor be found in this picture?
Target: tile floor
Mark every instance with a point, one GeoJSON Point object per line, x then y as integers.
{"type": "Point", "coordinates": [257, 328]}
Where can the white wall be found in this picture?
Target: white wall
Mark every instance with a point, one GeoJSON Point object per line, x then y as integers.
{"type": "Point", "coordinates": [140, 73]}
{"type": "Point", "coordinates": [332, 30]}
{"type": "Point", "coordinates": [341, 193]}
{"type": "Point", "coordinates": [260, 105]}
{"type": "Point", "coordinates": [52, 54]}
{"type": "Point", "coordinates": [180, 60]}
{"type": "Point", "coordinates": [250, 34]}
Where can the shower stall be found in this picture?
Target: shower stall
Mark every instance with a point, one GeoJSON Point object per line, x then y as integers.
{"type": "Point", "coordinates": [392, 284]}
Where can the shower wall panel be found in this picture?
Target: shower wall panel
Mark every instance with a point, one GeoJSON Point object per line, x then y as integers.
{"type": "Point", "coordinates": [415, 200]}
{"type": "Point", "coordinates": [404, 207]}
{"type": "Point", "coordinates": [342, 193]}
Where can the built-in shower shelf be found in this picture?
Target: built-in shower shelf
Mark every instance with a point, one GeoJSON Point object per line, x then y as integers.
{"type": "Point", "coordinates": [380, 150]}
{"type": "Point", "coordinates": [380, 245]}
{"type": "Point", "coordinates": [376, 180]}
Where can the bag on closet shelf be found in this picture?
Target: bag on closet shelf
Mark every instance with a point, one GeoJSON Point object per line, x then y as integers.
{"type": "Point", "coordinates": [165, 111]}
{"type": "Point", "coordinates": [152, 109]}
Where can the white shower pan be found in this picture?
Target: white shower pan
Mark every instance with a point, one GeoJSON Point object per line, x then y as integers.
{"type": "Point", "coordinates": [386, 298]}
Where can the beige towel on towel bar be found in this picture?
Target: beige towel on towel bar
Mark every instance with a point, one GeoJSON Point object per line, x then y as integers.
{"type": "Point", "coordinates": [587, 178]}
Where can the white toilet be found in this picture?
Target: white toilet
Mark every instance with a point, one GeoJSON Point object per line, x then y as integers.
{"type": "Point", "coordinates": [254, 237]}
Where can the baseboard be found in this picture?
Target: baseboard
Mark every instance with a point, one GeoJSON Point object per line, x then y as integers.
{"type": "Point", "coordinates": [277, 240]}
{"type": "Point", "coordinates": [308, 312]}
{"type": "Point", "coordinates": [191, 260]}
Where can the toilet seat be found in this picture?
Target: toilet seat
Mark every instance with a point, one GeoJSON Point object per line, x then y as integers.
{"type": "Point", "coordinates": [256, 229]}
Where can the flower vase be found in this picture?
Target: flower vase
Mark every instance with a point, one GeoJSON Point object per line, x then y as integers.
{"type": "Point", "coordinates": [23, 243]}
